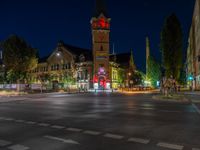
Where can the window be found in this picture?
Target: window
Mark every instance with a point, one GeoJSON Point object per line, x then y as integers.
{"type": "Point", "coordinates": [101, 48]}
{"type": "Point", "coordinates": [69, 65]}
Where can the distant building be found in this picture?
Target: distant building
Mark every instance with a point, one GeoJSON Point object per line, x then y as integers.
{"type": "Point", "coordinates": [193, 51]}
{"type": "Point", "coordinates": [73, 67]}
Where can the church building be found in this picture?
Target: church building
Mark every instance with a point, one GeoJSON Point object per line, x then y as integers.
{"type": "Point", "coordinates": [74, 67]}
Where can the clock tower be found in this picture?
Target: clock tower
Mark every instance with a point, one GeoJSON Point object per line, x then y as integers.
{"type": "Point", "coordinates": [100, 24]}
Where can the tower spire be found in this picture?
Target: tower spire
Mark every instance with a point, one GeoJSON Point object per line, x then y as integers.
{"type": "Point", "coordinates": [147, 52]}
{"type": "Point", "coordinates": [100, 8]}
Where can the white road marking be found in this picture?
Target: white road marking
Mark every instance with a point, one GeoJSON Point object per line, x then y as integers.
{"type": "Point", "coordinates": [92, 132]}
{"type": "Point", "coordinates": [196, 108]}
{"type": "Point", "coordinates": [18, 147]}
{"type": "Point", "coordinates": [61, 140]}
{"type": "Point", "coordinates": [170, 146]}
{"type": "Point", "coordinates": [20, 121]}
{"type": "Point", "coordinates": [74, 129]}
{"type": "Point", "coordinates": [113, 136]}
{"type": "Point", "coordinates": [43, 124]}
{"type": "Point", "coordinates": [58, 96]}
{"type": "Point", "coordinates": [139, 140]}
{"type": "Point", "coordinates": [30, 122]}
{"type": "Point", "coordinates": [58, 127]}
{"type": "Point", "coordinates": [4, 143]}
{"type": "Point", "coordinates": [9, 119]}
{"type": "Point", "coordinates": [1, 118]}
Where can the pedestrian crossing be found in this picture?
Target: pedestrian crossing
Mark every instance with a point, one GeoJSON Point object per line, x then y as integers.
{"type": "Point", "coordinates": [69, 132]}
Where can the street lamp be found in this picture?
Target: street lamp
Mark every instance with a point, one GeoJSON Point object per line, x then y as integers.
{"type": "Point", "coordinates": [58, 54]}
{"type": "Point", "coordinates": [129, 77]}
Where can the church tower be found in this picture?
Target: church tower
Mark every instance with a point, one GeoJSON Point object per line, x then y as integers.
{"type": "Point", "coordinates": [100, 24]}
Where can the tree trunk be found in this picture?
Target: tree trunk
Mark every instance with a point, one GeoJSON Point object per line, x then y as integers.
{"type": "Point", "coordinates": [18, 85]}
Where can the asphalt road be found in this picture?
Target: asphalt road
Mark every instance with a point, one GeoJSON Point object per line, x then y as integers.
{"type": "Point", "coordinates": [102, 121]}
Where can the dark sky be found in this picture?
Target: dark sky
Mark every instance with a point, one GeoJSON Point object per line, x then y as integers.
{"type": "Point", "coordinates": [43, 23]}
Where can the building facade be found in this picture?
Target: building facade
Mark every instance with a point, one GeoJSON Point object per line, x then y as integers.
{"type": "Point", "coordinates": [71, 67]}
{"type": "Point", "coordinates": [193, 51]}
{"type": "Point", "coordinates": [74, 67]}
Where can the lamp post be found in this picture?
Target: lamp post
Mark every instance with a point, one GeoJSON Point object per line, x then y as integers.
{"type": "Point", "coordinates": [129, 78]}
{"type": "Point", "coordinates": [4, 72]}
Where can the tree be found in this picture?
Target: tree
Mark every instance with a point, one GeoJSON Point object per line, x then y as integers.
{"type": "Point", "coordinates": [121, 76]}
{"type": "Point", "coordinates": [183, 78]}
{"type": "Point", "coordinates": [153, 71]}
{"type": "Point", "coordinates": [132, 66]}
{"type": "Point", "coordinates": [136, 77]}
{"type": "Point", "coordinates": [171, 47]}
{"type": "Point", "coordinates": [19, 58]}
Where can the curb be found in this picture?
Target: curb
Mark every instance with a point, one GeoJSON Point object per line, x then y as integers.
{"type": "Point", "coordinates": [184, 100]}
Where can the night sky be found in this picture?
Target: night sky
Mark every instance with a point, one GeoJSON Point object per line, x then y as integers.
{"type": "Point", "coordinates": [43, 23]}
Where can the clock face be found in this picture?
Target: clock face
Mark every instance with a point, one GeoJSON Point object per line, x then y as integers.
{"type": "Point", "coordinates": [100, 23]}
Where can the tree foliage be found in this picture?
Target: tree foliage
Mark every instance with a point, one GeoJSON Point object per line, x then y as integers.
{"type": "Point", "coordinates": [171, 47]}
{"type": "Point", "coordinates": [19, 57]}
{"type": "Point", "coordinates": [154, 71]}
{"type": "Point", "coordinates": [121, 76]}
{"type": "Point", "coordinates": [136, 77]}
{"type": "Point", "coordinates": [132, 66]}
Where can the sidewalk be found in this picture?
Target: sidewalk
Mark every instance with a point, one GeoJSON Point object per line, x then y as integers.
{"type": "Point", "coordinates": [27, 96]}
{"type": "Point", "coordinates": [5, 99]}
{"type": "Point", "coordinates": [192, 93]}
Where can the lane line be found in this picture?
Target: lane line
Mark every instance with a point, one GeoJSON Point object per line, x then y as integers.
{"type": "Point", "coordinates": [43, 124]}
{"type": "Point", "coordinates": [9, 119]}
{"type": "Point", "coordinates": [57, 127]}
{"type": "Point", "coordinates": [196, 108]}
{"type": "Point", "coordinates": [74, 129]}
{"type": "Point", "coordinates": [69, 141]}
{"type": "Point", "coordinates": [30, 122]}
{"type": "Point", "coordinates": [4, 143]}
{"type": "Point", "coordinates": [18, 147]}
{"type": "Point", "coordinates": [113, 136]}
{"type": "Point", "coordinates": [91, 132]}
{"type": "Point", "coordinates": [139, 140]}
{"type": "Point", "coordinates": [1, 118]}
{"type": "Point", "coordinates": [19, 121]}
{"type": "Point", "coordinates": [170, 146]}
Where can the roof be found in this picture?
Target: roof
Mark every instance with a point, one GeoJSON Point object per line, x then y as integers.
{"type": "Point", "coordinates": [79, 51]}
{"type": "Point", "coordinates": [122, 59]}
{"type": "Point", "coordinates": [100, 8]}
{"type": "Point", "coordinates": [43, 59]}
